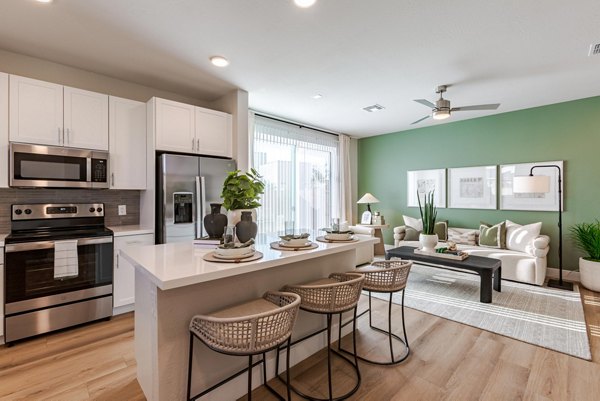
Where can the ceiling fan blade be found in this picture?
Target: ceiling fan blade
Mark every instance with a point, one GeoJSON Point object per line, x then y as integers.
{"type": "Point", "coordinates": [425, 102]}
{"type": "Point", "coordinates": [419, 120]}
{"type": "Point", "coordinates": [477, 107]}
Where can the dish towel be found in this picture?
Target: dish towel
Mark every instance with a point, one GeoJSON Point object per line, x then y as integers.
{"type": "Point", "coordinates": [66, 264]}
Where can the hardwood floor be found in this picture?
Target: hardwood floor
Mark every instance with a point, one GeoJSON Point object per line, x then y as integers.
{"type": "Point", "coordinates": [449, 361]}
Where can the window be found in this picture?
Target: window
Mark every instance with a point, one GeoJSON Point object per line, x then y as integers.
{"type": "Point", "coordinates": [300, 168]}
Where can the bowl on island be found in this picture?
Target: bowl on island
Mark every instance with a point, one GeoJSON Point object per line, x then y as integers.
{"type": "Point", "coordinates": [295, 240]}
{"type": "Point", "coordinates": [236, 251]}
{"type": "Point", "coordinates": [341, 236]}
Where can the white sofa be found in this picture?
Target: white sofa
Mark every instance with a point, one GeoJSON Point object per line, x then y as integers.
{"type": "Point", "coordinates": [527, 267]}
{"type": "Point", "coordinates": [366, 252]}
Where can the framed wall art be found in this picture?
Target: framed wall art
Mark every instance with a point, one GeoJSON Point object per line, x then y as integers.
{"type": "Point", "coordinates": [424, 181]}
{"type": "Point", "coordinates": [530, 201]}
{"type": "Point", "coordinates": [472, 187]}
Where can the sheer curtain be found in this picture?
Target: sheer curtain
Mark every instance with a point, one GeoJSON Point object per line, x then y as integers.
{"type": "Point", "coordinates": [301, 171]}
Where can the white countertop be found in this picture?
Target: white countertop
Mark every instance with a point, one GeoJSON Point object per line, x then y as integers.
{"type": "Point", "coordinates": [121, 231]}
{"type": "Point", "coordinates": [181, 264]}
{"type": "Point", "coordinates": [2, 236]}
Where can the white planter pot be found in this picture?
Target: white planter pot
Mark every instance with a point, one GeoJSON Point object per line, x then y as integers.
{"type": "Point", "coordinates": [428, 242]}
{"type": "Point", "coordinates": [234, 216]}
{"type": "Point", "coordinates": [589, 274]}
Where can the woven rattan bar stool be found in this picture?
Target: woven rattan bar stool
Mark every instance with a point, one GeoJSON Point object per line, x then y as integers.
{"type": "Point", "coordinates": [334, 295]}
{"type": "Point", "coordinates": [388, 276]}
{"type": "Point", "coordinates": [248, 329]}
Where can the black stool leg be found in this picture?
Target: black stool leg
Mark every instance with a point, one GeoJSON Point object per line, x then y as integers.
{"type": "Point", "coordinates": [390, 327]}
{"type": "Point", "coordinates": [249, 377]}
{"type": "Point", "coordinates": [403, 322]}
{"type": "Point", "coordinates": [354, 341]}
{"type": "Point", "coordinates": [370, 324]}
{"type": "Point", "coordinates": [329, 356]}
{"type": "Point", "coordinates": [287, 367]}
{"type": "Point", "coordinates": [191, 351]}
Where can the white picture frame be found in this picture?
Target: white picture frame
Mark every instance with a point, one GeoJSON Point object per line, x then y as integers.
{"type": "Point", "coordinates": [425, 181]}
{"type": "Point", "coordinates": [473, 187]}
{"type": "Point", "coordinates": [366, 218]}
{"type": "Point", "coordinates": [539, 202]}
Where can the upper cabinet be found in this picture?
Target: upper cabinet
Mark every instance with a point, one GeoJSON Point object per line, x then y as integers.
{"type": "Point", "coordinates": [174, 126]}
{"type": "Point", "coordinates": [127, 134]}
{"type": "Point", "coordinates": [180, 127]}
{"type": "Point", "coordinates": [49, 114]}
{"type": "Point", "coordinates": [213, 132]}
{"type": "Point", "coordinates": [3, 131]}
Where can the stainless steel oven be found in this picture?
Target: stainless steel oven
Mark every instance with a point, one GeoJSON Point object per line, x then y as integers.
{"type": "Point", "coordinates": [58, 268]}
{"type": "Point", "coordinates": [59, 167]}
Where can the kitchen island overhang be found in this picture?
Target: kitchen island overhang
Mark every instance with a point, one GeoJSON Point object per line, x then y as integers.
{"type": "Point", "coordinates": [174, 282]}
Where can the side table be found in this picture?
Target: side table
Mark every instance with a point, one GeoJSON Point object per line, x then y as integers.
{"type": "Point", "coordinates": [379, 247]}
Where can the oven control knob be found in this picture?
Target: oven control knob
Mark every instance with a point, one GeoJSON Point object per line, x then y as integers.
{"type": "Point", "coordinates": [18, 212]}
{"type": "Point", "coordinates": [92, 210]}
{"type": "Point", "coordinates": [27, 211]}
{"type": "Point", "coordinates": [99, 209]}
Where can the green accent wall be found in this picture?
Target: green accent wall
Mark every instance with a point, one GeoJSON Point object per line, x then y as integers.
{"type": "Point", "coordinates": [567, 131]}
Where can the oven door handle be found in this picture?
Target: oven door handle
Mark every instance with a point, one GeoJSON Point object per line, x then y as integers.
{"type": "Point", "coordinates": [32, 246]}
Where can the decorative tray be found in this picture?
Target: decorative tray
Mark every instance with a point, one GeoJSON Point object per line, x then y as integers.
{"type": "Point", "coordinates": [277, 245]}
{"type": "Point", "coordinates": [330, 241]}
{"type": "Point", "coordinates": [443, 255]}
{"type": "Point", "coordinates": [210, 257]}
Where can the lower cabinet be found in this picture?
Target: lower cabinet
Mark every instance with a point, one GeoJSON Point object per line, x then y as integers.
{"type": "Point", "coordinates": [124, 272]}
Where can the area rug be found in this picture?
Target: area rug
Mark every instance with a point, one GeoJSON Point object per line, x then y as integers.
{"type": "Point", "coordinates": [542, 316]}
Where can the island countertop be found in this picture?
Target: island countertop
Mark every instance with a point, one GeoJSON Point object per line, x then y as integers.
{"type": "Point", "coordinates": [181, 264]}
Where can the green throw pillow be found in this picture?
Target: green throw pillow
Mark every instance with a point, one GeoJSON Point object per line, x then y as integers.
{"type": "Point", "coordinates": [440, 228]}
{"type": "Point", "coordinates": [492, 236]}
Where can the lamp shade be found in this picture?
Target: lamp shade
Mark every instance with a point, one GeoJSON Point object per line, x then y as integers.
{"type": "Point", "coordinates": [368, 198]}
{"type": "Point", "coordinates": [531, 184]}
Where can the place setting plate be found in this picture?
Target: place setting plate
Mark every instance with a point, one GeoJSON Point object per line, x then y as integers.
{"type": "Point", "coordinates": [323, 238]}
{"type": "Point", "coordinates": [249, 257]}
{"type": "Point", "coordinates": [282, 246]}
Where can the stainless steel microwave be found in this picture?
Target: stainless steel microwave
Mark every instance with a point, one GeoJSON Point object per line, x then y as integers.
{"type": "Point", "coordinates": [57, 167]}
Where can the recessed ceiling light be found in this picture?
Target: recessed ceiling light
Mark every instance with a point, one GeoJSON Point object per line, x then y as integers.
{"type": "Point", "coordinates": [219, 61]}
{"type": "Point", "coordinates": [304, 3]}
{"type": "Point", "coordinates": [44, 1]}
{"type": "Point", "coordinates": [317, 96]}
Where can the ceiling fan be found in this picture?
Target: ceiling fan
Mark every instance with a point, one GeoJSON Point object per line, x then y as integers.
{"type": "Point", "coordinates": [441, 109]}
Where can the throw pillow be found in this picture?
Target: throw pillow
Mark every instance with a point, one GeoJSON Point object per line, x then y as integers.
{"type": "Point", "coordinates": [440, 228]}
{"type": "Point", "coordinates": [518, 237]}
{"type": "Point", "coordinates": [464, 238]}
{"type": "Point", "coordinates": [493, 236]}
{"type": "Point", "coordinates": [411, 234]}
{"type": "Point", "coordinates": [417, 224]}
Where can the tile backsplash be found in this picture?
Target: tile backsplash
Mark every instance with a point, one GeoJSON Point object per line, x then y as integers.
{"type": "Point", "coordinates": [110, 198]}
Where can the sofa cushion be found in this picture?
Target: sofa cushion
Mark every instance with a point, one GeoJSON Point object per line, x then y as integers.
{"type": "Point", "coordinates": [416, 224]}
{"type": "Point", "coordinates": [440, 228]}
{"type": "Point", "coordinates": [518, 237]}
{"type": "Point", "coordinates": [465, 238]}
{"type": "Point", "coordinates": [493, 236]}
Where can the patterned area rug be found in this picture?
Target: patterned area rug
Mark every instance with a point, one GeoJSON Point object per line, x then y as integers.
{"type": "Point", "coordinates": [542, 316]}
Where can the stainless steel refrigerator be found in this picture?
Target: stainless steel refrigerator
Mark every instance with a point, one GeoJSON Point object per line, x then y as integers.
{"type": "Point", "coordinates": [186, 186]}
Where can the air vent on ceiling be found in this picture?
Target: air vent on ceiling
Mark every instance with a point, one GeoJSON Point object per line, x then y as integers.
{"type": "Point", "coordinates": [594, 49]}
{"type": "Point", "coordinates": [375, 107]}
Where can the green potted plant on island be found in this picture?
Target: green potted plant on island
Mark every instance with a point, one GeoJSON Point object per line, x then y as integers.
{"type": "Point", "coordinates": [587, 238]}
{"type": "Point", "coordinates": [241, 192]}
{"type": "Point", "coordinates": [428, 238]}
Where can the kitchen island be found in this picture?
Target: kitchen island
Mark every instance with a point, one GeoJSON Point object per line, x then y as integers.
{"type": "Point", "coordinates": [173, 283]}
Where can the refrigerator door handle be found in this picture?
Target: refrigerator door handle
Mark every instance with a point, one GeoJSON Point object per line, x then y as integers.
{"type": "Point", "coordinates": [203, 204]}
{"type": "Point", "coordinates": [199, 214]}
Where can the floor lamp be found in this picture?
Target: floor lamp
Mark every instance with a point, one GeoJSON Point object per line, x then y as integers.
{"type": "Point", "coordinates": [541, 184]}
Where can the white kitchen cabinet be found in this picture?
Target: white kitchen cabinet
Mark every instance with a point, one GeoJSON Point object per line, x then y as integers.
{"type": "Point", "coordinates": [3, 130]}
{"type": "Point", "coordinates": [174, 126]}
{"type": "Point", "coordinates": [45, 113]}
{"type": "Point", "coordinates": [124, 272]}
{"type": "Point", "coordinates": [127, 139]}
{"type": "Point", "coordinates": [180, 127]}
{"type": "Point", "coordinates": [213, 132]}
{"type": "Point", "coordinates": [36, 111]}
{"type": "Point", "coordinates": [85, 119]}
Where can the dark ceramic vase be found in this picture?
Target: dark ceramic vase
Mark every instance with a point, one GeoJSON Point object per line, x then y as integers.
{"type": "Point", "coordinates": [246, 228]}
{"type": "Point", "coordinates": [215, 222]}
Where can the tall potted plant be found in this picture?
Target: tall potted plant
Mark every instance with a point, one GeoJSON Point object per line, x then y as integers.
{"type": "Point", "coordinates": [428, 238]}
{"type": "Point", "coordinates": [587, 238]}
{"type": "Point", "coordinates": [241, 192]}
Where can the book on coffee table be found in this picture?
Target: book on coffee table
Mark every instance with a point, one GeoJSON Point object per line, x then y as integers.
{"type": "Point", "coordinates": [454, 255]}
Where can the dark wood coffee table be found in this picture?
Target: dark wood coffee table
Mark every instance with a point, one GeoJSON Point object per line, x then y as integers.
{"type": "Point", "coordinates": [489, 269]}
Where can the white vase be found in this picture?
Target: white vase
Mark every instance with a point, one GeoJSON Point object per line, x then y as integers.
{"type": "Point", "coordinates": [235, 216]}
{"type": "Point", "coordinates": [428, 242]}
{"type": "Point", "coordinates": [589, 274]}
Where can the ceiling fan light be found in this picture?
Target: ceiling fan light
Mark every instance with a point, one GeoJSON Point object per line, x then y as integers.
{"type": "Point", "coordinates": [440, 114]}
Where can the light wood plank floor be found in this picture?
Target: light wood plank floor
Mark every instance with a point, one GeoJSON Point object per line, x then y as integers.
{"type": "Point", "coordinates": [449, 361]}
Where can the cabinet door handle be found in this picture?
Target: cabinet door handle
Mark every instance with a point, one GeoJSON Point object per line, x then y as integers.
{"type": "Point", "coordinates": [59, 135]}
{"type": "Point", "coordinates": [193, 145]}
{"type": "Point", "coordinates": [68, 135]}
{"type": "Point", "coordinates": [112, 178]}
{"type": "Point", "coordinates": [198, 145]}
{"type": "Point", "coordinates": [117, 260]}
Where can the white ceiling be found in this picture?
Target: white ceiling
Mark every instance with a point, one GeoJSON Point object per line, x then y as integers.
{"type": "Point", "coordinates": [354, 52]}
